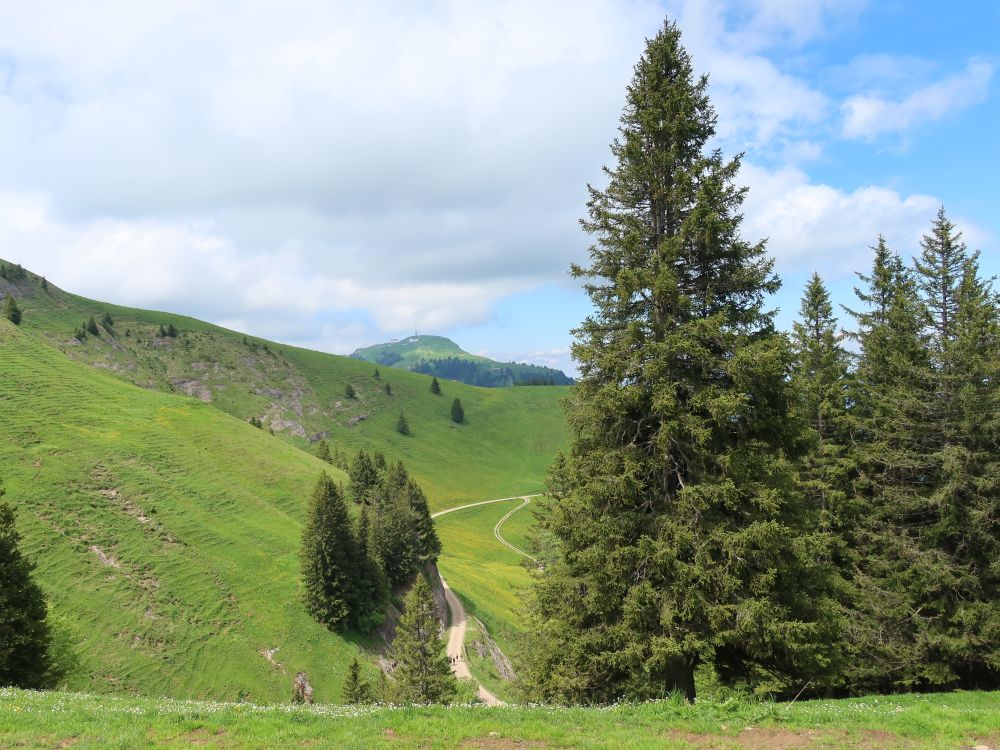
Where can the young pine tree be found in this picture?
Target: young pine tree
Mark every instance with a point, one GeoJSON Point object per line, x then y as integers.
{"type": "Point", "coordinates": [356, 690]}
{"type": "Point", "coordinates": [24, 631]}
{"type": "Point", "coordinates": [388, 390]}
{"type": "Point", "coordinates": [422, 671]}
{"type": "Point", "coordinates": [435, 387]}
{"type": "Point", "coordinates": [402, 426]}
{"type": "Point", "coordinates": [683, 538]}
{"type": "Point", "coordinates": [329, 557]}
{"type": "Point", "coordinates": [323, 452]}
{"type": "Point", "coordinates": [92, 328]}
{"type": "Point", "coordinates": [349, 391]}
{"type": "Point", "coordinates": [457, 412]}
{"type": "Point", "coordinates": [11, 311]}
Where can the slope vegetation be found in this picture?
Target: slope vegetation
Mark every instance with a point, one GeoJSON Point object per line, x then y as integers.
{"type": "Point", "coordinates": [502, 448]}
{"type": "Point", "coordinates": [165, 531]}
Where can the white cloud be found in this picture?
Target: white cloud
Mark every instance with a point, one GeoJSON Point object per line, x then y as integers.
{"type": "Point", "coordinates": [868, 116]}
{"type": "Point", "coordinates": [812, 226]}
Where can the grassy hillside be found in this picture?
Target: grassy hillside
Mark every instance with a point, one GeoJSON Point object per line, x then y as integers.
{"type": "Point", "coordinates": [440, 356]}
{"type": "Point", "coordinates": [503, 447]}
{"type": "Point", "coordinates": [165, 532]}
{"type": "Point", "coordinates": [954, 721]}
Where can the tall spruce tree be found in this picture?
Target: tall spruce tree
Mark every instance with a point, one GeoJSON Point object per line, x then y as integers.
{"type": "Point", "coordinates": [24, 631]}
{"type": "Point", "coordinates": [822, 384]}
{"type": "Point", "coordinates": [683, 538]}
{"type": "Point", "coordinates": [323, 452]}
{"type": "Point", "coordinates": [329, 557]}
{"type": "Point", "coordinates": [364, 476]}
{"type": "Point", "coordinates": [422, 671]}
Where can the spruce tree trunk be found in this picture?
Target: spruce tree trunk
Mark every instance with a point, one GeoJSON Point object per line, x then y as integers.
{"type": "Point", "coordinates": [680, 677]}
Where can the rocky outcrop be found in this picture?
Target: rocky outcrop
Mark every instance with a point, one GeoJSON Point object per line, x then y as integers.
{"type": "Point", "coordinates": [387, 630]}
{"type": "Point", "coordinates": [485, 646]}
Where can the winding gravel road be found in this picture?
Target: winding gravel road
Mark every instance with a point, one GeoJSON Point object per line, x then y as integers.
{"type": "Point", "coordinates": [459, 621]}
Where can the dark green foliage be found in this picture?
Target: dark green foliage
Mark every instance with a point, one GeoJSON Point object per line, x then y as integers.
{"type": "Point", "coordinates": [12, 273]}
{"type": "Point", "coordinates": [45, 284]}
{"type": "Point", "coordinates": [364, 476]}
{"type": "Point", "coordinates": [162, 332]}
{"type": "Point", "coordinates": [823, 388]}
{"type": "Point", "coordinates": [107, 321]}
{"type": "Point", "coordinates": [422, 672]}
{"type": "Point", "coordinates": [323, 452]}
{"type": "Point", "coordinates": [329, 557]}
{"type": "Point", "coordinates": [256, 422]}
{"type": "Point", "coordinates": [349, 391]}
{"type": "Point", "coordinates": [682, 533]}
{"type": "Point", "coordinates": [171, 331]}
{"type": "Point", "coordinates": [457, 412]}
{"type": "Point", "coordinates": [388, 389]}
{"type": "Point", "coordinates": [24, 631]}
{"type": "Point", "coordinates": [377, 374]}
{"type": "Point", "coordinates": [489, 374]}
{"type": "Point", "coordinates": [92, 328]}
{"type": "Point", "coordinates": [80, 334]}
{"type": "Point", "coordinates": [356, 690]}
{"type": "Point", "coordinates": [11, 311]}
{"type": "Point", "coordinates": [401, 535]}
{"type": "Point", "coordinates": [402, 426]}
{"type": "Point", "coordinates": [435, 387]}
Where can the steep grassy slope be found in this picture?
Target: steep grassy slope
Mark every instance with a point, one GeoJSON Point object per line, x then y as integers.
{"type": "Point", "coordinates": [926, 722]}
{"type": "Point", "coordinates": [166, 533]}
{"type": "Point", "coordinates": [503, 447]}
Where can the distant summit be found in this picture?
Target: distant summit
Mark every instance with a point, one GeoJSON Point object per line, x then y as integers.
{"type": "Point", "coordinates": [443, 358]}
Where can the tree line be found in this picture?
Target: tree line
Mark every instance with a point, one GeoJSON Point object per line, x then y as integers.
{"type": "Point", "coordinates": [785, 513]}
{"type": "Point", "coordinates": [490, 376]}
{"type": "Point", "coordinates": [349, 567]}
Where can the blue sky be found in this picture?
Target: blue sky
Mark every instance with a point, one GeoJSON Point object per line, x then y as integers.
{"type": "Point", "coordinates": [335, 174]}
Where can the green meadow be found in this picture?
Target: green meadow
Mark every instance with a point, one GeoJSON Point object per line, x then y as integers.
{"type": "Point", "coordinates": [503, 447]}
{"type": "Point", "coordinates": [932, 722]}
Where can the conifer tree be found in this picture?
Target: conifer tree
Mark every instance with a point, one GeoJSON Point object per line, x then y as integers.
{"type": "Point", "coordinates": [682, 535]}
{"type": "Point", "coordinates": [402, 426]}
{"type": "Point", "coordinates": [323, 452]}
{"type": "Point", "coordinates": [356, 690]}
{"type": "Point", "coordinates": [24, 631]}
{"type": "Point", "coordinates": [377, 374]}
{"type": "Point", "coordinates": [425, 535]}
{"type": "Point", "coordinates": [329, 556]}
{"type": "Point", "coordinates": [11, 311]}
{"type": "Point", "coordinates": [435, 387]}
{"type": "Point", "coordinates": [92, 328]}
{"type": "Point", "coordinates": [457, 412]}
{"type": "Point", "coordinates": [388, 389]}
{"type": "Point", "coordinates": [364, 477]}
{"type": "Point", "coordinates": [422, 671]}
{"type": "Point", "coordinates": [172, 332]}
{"type": "Point", "coordinates": [107, 321]}
{"type": "Point", "coordinates": [822, 383]}
{"type": "Point", "coordinates": [349, 391]}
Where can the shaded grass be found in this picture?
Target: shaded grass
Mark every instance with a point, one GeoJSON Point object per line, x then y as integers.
{"type": "Point", "coordinates": [957, 720]}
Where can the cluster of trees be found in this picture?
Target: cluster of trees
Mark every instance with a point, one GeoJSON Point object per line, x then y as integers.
{"type": "Point", "coordinates": [334, 457]}
{"type": "Point", "coordinates": [12, 272]}
{"type": "Point", "coordinates": [776, 508]}
{"type": "Point", "coordinates": [489, 375]}
{"type": "Point", "coordinates": [349, 567]}
{"type": "Point", "coordinates": [169, 332]}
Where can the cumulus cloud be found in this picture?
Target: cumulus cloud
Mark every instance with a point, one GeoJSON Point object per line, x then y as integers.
{"type": "Point", "coordinates": [330, 173]}
{"type": "Point", "coordinates": [812, 226]}
{"type": "Point", "coordinates": [868, 116]}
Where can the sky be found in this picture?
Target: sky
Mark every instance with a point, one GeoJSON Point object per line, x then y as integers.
{"type": "Point", "coordinates": [334, 174]}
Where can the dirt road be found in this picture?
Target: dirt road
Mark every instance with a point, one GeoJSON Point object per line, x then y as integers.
{"type": "Point", "coordinates": [456, 645]}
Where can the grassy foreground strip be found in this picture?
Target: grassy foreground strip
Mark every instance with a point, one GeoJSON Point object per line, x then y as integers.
{"type": "Point", "coordinates": [51, 719]}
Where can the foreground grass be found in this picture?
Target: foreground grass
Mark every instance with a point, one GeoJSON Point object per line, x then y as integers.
{"type": "Point", "coordinates": [957, 720]}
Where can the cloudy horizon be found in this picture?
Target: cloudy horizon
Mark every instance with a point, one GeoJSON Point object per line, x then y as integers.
{"type": "Point", "coordinates": [333, 175]}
